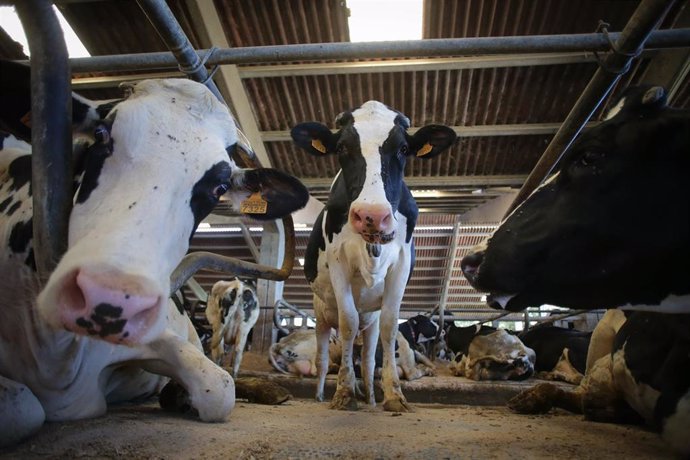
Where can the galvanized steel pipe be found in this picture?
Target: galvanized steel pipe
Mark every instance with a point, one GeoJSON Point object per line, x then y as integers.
{"type": "Point", "coordinates": [170, 31]}
{"type": "Point", "coordinates": [51, 133]}
{"type": "Point", "coordinates": [390, 49]}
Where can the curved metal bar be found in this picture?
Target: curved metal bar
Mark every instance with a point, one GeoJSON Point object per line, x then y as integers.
{"type": "Point", "coordinates": [51, 133]}
{"type": "Point", "coordinates": [195, 261]}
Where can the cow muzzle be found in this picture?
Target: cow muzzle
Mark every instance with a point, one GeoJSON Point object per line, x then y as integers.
{"type": "Point", "coordinates": [108, 305]}
{"type": "Point", "coordinates": [374, 223]}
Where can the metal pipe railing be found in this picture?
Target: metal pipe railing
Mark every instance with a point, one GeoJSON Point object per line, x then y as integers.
{"type": "Point", "coordinates": [627, 45]}
{"type": "Point", "coordinates": [389, 49]}
{"type": "Point", "coordinates": [170, 31]}
{"type": "Point", "coordinates": [51, 133]}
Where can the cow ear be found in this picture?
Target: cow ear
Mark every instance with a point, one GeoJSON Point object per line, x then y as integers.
{"type": "Point", "coordinates": [269, 194]}
{"type": "Point", "coordinates": [315, 138]}
{"type": "Point", "coordinates": [431, 140]}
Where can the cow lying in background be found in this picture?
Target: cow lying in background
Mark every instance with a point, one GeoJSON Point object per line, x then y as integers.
{"type": "Point", "coordinates": [561, 353]}
{"type": "Point", "coordinates": [296, 354]}
{"type": "Point", "coordinates": [610, 229]}
{"type": "Point", "coordinates": [419, 331]}
{"type": "Point", "coordinates": [103, 328]}
{"type": "Point", "coordinates": [360, 253]}
{"type": "Point", "coordinates": [487, 353]}
{"type": "Point", "coordinates": [232, 310]}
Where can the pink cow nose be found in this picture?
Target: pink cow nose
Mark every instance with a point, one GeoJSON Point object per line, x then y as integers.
{"type": "Point", "coordinates": [115, 307]}
{"type": "Point", "coordinates": [372, 220]}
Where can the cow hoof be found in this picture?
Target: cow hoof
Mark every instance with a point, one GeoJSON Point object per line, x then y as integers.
{"type": "Point", "coordinates": [537, 400]}
{"type": "Point", "coordinates": [344, 399]}
{"type": "Point", "coordinates": [396, 405]}
{"type": "Point", "coordinates": [174, 398]}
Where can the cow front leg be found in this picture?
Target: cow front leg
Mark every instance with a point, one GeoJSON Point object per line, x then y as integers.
{"type": "Point", "coordinates": [369, 340]}
{"type": "Point", "coordinates": [323, 334]}
{"type": "Point", "coordinates": [211, 389]}
{"type": "Point", "coordinates": [344, 397]}
{"type": "Point", "coordinates": [393, 398]}
{"type": "Point", "coordinates": [21, 413]}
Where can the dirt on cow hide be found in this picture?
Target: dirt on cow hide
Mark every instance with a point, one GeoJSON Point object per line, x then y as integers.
{"type": "Point", "coordinates": [302, 428]}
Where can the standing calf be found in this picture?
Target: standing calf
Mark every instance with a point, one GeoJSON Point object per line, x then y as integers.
{"type": "Point", "coordinates": [232, 311]}
{"type": "Point", "coordinates": [360, 253]}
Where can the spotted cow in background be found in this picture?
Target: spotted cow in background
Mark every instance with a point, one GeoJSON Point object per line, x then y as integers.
{"type": "Point", "coordinates": [296, 353]}
{"type": "Point", "coordinates": [419, 331]}
{"type": "Point", "coordinates": [232, 311]}
{"type": "Point", "coordinates": [360, 253]}
{"type": "Point", "coordinates": [103, 328]}
{"type": "Point", "coordinates": [487, 353]}
{"type": "Point", "coordinates": [610, 229]}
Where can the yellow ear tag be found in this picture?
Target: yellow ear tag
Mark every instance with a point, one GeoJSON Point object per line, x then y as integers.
{"type": "Point", "coordinates": [426, 148]}
{"type": "Point", "coordinates": [26, 119]}
{"type": "Point", "coordinates": [318, 145]}
{"type": "Point", "coordinates": [255, 204]}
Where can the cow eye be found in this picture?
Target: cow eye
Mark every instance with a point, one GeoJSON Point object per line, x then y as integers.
{"type": "Point", "coordinates": [590, 157]}
{"type": "Point", "coordinates": [220, 190]}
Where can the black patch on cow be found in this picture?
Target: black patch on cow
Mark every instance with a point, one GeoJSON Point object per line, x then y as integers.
{"type": "Point", "coordinates": [3, 136]}
{"type": "Point", "coordinates": [203, 200]}
{"type": "Point", "coordinates": [5, 203]}
{"type": "Point", "coordinates": [14, 208]}
{"type": "Point", "coordinates": [657, 353]}
{"type": "Point", "coordinates": [104, 321]}
{"type": "Point", "coordinates": [94, 158]}
{"type": "Point", "coordinates": [311, 254]}
{"type": "Point", "coordinates": [249, 304]}
{"type": "Point", "coordinates": [459, 339]}
{"type": "Point", "coordinates": [548, 343]}
{"type": "Point", "coordinates": [79, 111]}
{"type": "Point", "coordinates": [226, 303]}
{"type": "Point", "coordinates": [20, 172]}
{"type": "Point", "coordinates": [21, 235]}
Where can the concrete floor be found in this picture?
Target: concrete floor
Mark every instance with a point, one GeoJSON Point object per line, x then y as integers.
{"type": "Point", "coordinates": [452, 418]}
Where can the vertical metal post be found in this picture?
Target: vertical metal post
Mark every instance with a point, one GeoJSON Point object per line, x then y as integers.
{"type": "Point", "coordinates": [51, 133]}
{"type": "Point", "coordinates": [645, 18]}
{"type": "Point", "coordinates": [163, 20]}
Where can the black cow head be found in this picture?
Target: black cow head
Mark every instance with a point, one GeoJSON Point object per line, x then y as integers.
{"type": "Point", "coordinates": [372, 145]}
{"type": "Point", "coordinates": [611, 228]}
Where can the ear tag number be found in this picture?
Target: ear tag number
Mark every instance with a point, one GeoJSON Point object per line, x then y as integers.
{"type": "Point", "coordinates": [255, 204]}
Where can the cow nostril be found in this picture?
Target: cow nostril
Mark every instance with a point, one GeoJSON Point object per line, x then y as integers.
{"type": "Point", "coordinates": [471, 262]}
{"type": "Point", "coordinates": [356, 217]}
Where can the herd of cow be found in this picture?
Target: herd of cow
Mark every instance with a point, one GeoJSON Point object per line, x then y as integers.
{"type": "Point", "coordinates": [609, 229]}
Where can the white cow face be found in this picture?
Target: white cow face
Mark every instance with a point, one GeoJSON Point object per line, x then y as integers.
{"type": "Point", "coordinates": [145, 188]}
{"type": "Point", "coordinates": [372, 145]}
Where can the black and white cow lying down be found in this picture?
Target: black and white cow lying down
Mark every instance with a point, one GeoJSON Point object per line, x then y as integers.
{"type": "Point", "coordinates": [487, 353]}
{"type": "Point", "coordinates": [232, 311]}
{"type": "Point", "coordinates": [360, 253]}
{"type": "Point", "coordinates": [561, 353]}
{"type": "Point", "coordinates": [103, 328]}
{"type": "Point", "coordinates": [611, 230]}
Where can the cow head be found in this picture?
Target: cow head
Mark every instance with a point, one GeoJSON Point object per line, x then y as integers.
{"type": "Point", "coordinates": [160, 164]}
{"type": "Point", "coordinates": [496, 356]}
{"type": "Point", "coordinates": [610, 228]}
{"type": "Point", "coordinates": [372, 145]}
